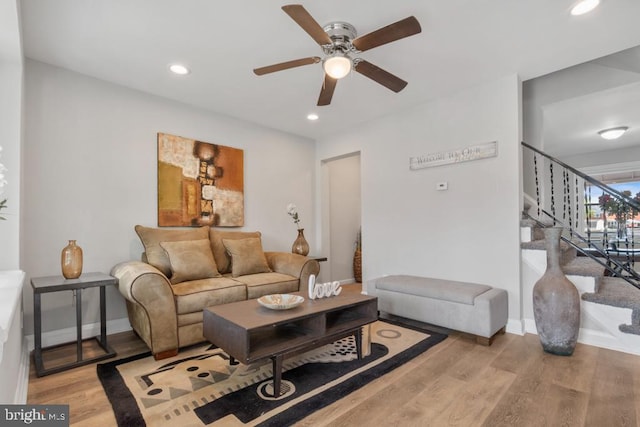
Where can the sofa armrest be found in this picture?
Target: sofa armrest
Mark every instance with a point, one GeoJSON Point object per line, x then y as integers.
{"type": "Point", "coordinates": [294, 265]}
{"type": "Point", "coordinates": [152, 310]}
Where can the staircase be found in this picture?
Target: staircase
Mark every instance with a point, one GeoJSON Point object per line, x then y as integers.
{"type": "Point", "coordinates": [610, 308]}
{"type": "Point", "coordinates": [608, 284]}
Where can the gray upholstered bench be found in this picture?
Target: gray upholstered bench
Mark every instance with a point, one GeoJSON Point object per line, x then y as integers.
{"type": "Point", "coordinates": [468, 307]}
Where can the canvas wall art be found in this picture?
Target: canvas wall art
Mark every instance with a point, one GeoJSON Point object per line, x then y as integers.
{"type": "Point", "coordinates": [199, 183]}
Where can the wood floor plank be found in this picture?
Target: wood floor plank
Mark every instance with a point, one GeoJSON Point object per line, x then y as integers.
{"type": "Point", "coordinates": [566, 407]}
{"type": "Point", "coordinates": [522, 404]}
{"type": "Point", "coordinates": [575, 372]}
{"type": "Point", "coordinates": [472, 363]}
{"type": "Point", "coordinates": [514, 358]}
{"type": "Point", "coordinates": [612, 388]}
{"type": "Point", "coordinates": [477, 398]}
{"type": "Point", "coordinates": [437, 397]}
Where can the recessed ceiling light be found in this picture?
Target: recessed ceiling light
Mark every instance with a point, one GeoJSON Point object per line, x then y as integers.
{"type": "Point", "coordinates": [584, 6]}
{"type": "Point", "coordinates": [179, 69]}
{"type": "Point", "coordinates": [312, 116]}
{"type": "Point", "coordinates": [613, 133]}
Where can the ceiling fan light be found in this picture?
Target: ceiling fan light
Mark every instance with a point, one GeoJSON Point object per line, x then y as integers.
{"type": "Point", "coordinates": [584, 6]}
{"type": "Point", "coordinates": [613, 133]}
{"type": "Point", "coordinates": [337, 66]}
{"type": "Point", "coordinates": [179, 69]}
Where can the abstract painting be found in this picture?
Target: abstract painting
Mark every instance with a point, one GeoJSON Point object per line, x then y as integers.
{"type": "Point", "coordinates": [199, 183]}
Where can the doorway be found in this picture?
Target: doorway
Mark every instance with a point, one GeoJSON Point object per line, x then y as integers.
{"type": "Point", "coordinates": [341, 216]}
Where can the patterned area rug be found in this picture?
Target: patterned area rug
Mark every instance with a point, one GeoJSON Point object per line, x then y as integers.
{"type": "Point", "coordinates": [199, 387]}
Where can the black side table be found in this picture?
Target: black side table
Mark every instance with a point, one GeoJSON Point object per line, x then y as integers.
{"type": "Point", "coordinates": [42, 285]}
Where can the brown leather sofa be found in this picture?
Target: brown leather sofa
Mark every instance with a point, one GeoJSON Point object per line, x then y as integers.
{"type": "Point", "coordinates": [185, 270]}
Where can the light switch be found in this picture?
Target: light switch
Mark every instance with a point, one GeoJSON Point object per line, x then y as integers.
{"type": "Point", "coordinates": [441, 186]}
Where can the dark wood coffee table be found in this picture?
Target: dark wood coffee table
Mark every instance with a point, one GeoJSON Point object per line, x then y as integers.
{"type": "Point", "coordinates": [249, 332]}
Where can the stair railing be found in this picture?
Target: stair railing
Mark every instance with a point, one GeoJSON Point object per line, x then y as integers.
{"type": "Point", "coordinates": [575, 201]}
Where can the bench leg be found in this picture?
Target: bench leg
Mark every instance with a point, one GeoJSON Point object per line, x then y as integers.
{"type": "Point", "coordinates": [488, 341]}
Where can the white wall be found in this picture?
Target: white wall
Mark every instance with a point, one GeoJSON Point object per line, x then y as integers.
{"type": "Point", "coordinates": [469, 232]}
{"type": "Point", "coordinates": [90, 174]}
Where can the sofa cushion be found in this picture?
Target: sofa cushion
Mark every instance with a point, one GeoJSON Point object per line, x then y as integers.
{"type": "Point", "coordinates": [151, 238]}
{"type": "Point", "coordinates": [190, 260]}
{"type": "Point", "coordinates": [269, 283]}
{"type": "Point", "coordinates": [223, 259]}
{"type": "Point", "coordinates": [195, 295]}
{"type": "Point", "coordinates": [247, 256]}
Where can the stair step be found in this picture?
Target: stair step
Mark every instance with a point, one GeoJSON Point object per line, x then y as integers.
{"type": "Point", "coordinates": [584, 266]}
{"type": "Point", "coordinates": [630, 329]}
{"type": "Point", "coordinates": [615, 292]}
{"type": "Point", "coordinates": [527, 222]}
{"type": "Point", "coordinates": [537, 232]}
{"type": "Point", "coordinates": [568, 253]}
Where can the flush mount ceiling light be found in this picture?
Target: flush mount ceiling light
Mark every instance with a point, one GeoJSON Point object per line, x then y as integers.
{"type": "Point", "coordinates": [584, 6]}
{"type": "Point", "coordinates": [338, 65]}
{"type": "Point", "coordinates": [312, 116]}
{"type": "Point", "coordinates": [179, 69]}
{"type": "Point", "coordinates": [613, 133]}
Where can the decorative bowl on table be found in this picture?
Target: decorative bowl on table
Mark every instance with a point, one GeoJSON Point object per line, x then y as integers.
{"type": "Point", "coordinates": [280, 301]}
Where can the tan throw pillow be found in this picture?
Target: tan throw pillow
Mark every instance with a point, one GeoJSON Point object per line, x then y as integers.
{"type": "Point", "coordinates": [190, 260]}
{"type": "Point", "coordinates": [247, 256]}
{"type": "Point", "coordinates": [223, 260]}
{"type": "Point", "coordinates": [151, 238]}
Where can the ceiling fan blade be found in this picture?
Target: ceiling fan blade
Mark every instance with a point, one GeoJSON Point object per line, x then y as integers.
{"type": "Point", "coordinates": [381, 76]}
{"type": "Point", "coordinates": [326, 93]}
{"type": "Point", "coordinates": [286, 65]}
{"type": "Point", "coordinates": [306, 21]}
{"type": "Point", "coordinates": [392, 32]}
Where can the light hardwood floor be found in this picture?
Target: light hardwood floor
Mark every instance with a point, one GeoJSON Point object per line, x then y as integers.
{"type": "Point", "coordinates": [457, 383]}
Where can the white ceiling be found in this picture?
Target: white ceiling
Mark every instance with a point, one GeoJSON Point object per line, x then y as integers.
{"type": "Point", "coordinates": [579, 101]}
{"type": "Point", "coordinates": [463, 43]}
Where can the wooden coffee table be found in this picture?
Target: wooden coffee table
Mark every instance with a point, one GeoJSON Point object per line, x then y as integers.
{"type": "Point", "coordinates": [249, 332]}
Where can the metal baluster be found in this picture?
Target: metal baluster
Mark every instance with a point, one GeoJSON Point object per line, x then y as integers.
{"type": "Point", "coordinates": [605, 233]}
{"type": "Point", "coordinates": [587, 212]}
{"type": "Point", "coordinates": [569, 214]}
{"type": "Point", "coordinates": [633, 240]}
{"type": "Point", "coordinates": [577, 204]}
{"type": "Point", "coordinates": [535, 168]}
{"type": "Point", "coordinates": [553, 203]}
{"type": "Point", "coordinates": [626, 236]}
{"type": "Point", "coordinates": [565, 196]}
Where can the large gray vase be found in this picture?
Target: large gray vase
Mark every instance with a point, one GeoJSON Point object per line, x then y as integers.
{"type": "Point", "coordinates": [556, 302]}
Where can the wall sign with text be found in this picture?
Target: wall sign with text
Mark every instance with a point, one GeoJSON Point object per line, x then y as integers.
{"type": "Point", "coordinates": [474, 152]}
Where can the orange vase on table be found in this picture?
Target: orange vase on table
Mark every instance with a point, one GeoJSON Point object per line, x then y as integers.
{"type": "Point", "coordinates": [71, 260]}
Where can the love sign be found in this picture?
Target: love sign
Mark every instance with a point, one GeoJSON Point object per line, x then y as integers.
{"type": "Point", "coordinates": [323, 290]}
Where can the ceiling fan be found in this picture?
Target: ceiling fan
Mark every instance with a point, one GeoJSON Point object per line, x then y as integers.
{"type": "Point", "coordinates": [338, 42]}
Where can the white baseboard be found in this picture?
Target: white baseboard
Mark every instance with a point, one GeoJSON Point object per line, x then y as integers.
{"type": "Point", "coordinates": [591, 337]}
{"type": "Point", "coordinates": [515, 326]}
{"type": "Point", "coordinates": [66, 335]}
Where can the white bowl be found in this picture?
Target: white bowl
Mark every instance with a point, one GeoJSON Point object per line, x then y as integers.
{"type": "Point", "coordinates": [280, 301]}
